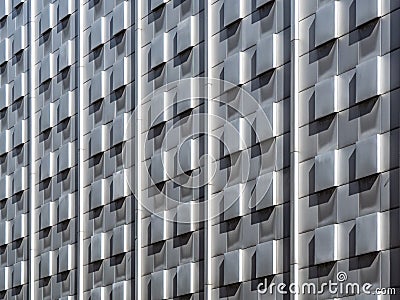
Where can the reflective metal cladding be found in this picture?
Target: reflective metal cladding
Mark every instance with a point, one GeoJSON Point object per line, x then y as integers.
{"type": "Point", "coordinates": [165, 149]}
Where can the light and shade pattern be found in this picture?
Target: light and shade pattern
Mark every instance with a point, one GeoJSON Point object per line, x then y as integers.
{"type": "Point", "coordinates": [127, 173]}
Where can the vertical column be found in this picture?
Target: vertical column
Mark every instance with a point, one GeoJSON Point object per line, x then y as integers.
{"type": "Point", "coordinates": [33, 147]}
{"type": "Point", "coordinates": [251, 145]}
{"type": "Point", "coordinates": [137, 170]}
{"type": "Point", "coordinates": [208, 209]}
{"type": "Point", "coordinates": [54, 86]}
{"type": "Point", "coordinates": [107, 96]}
{"type": "Point", "coordinates": [171, 141]}
{"type": "Point", "coordinates": [15, 150]}
{"type": "Point", "coordinates": [294, 147]}
{"type": "Point", "coordinates": [346, 86]}
{"type": "Point", "coordinates": [80, 105]}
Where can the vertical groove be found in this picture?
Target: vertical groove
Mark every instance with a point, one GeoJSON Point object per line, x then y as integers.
{"type": "Point", "coordinates": [294, 174]}
{"type": "Point", "coordinates": [31, 105]}
{"type": "Point", "coordinates": [208, 239]}
{"type": "Point", "coordinates": [138, 156]}
{"type": "Point", "coordinates": [80, 149]}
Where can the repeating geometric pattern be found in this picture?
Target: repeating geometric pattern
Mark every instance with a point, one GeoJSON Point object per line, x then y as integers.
{"type": "Point", "coordinates": [250, 241]}
{"type": "Point", "coordinates": [114, 114]}
{"type": "Point", "coordinates": [15, 120]}
{"type": "Point", "coordinates": [348, 141]}
{"type": "Point", "coordinates": [55, 148]}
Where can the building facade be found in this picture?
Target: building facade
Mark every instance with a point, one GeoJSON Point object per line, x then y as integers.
{"type": "Point", "coordinates": [193, 149]}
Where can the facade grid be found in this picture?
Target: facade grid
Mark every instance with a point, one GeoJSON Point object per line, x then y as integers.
{"type": "Point", "coordinates": [194, 149]}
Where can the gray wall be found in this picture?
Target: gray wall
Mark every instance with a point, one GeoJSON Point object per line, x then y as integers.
{"type": "Point", "coordinates": [127, 172]}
